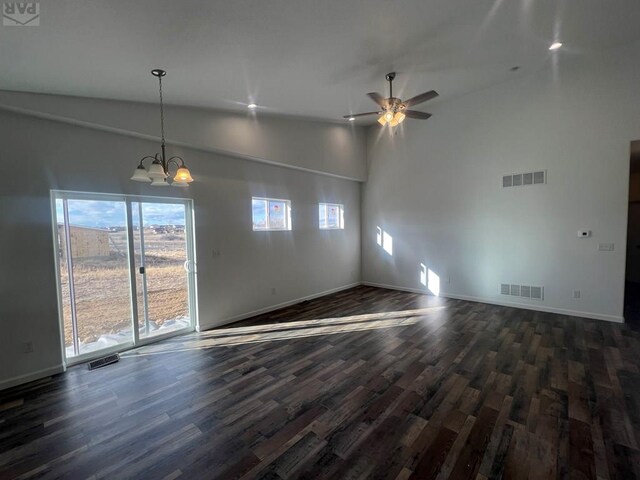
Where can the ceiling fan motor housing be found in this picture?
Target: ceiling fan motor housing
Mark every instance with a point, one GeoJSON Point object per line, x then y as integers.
{"type": "Point", "coordinates": [394, 104]}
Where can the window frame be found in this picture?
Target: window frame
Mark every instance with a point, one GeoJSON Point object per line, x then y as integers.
{"type": "Point", "coordinates": [326, 206]}
{"type": "Point", "coordinates": [268, 227]}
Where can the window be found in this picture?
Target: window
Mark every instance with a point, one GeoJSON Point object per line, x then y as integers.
{"type": "Point", "coordinates": [331, 216]}
{"type": "Point", "coordinates": [271, 214]}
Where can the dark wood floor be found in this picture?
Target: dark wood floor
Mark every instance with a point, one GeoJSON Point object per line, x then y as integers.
{"type": "Point", "coordinates": [430, 389]}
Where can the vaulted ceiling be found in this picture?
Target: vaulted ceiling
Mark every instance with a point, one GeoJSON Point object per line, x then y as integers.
{"type": "Point", "coordinates": [313, 58]}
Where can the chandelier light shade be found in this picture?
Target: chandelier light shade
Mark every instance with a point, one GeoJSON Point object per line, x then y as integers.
{"type": "Point", "coordinates": [182, 177]}
{"type": "Point", "coordinates": [158, 171]}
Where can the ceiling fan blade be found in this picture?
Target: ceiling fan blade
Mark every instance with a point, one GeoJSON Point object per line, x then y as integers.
{"type": "Point", "coordinates": [362, 114]}
{"type": "Point", "coordinates": [423, 97]}
{"type": "Point", "coordinates": [379, 99]}
{"type": "Point", "coordinates": [416, 114]}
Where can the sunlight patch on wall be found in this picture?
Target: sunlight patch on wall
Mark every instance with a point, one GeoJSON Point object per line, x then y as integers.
{"type": "Point", "coordinates": [423, 274]}
{"type": "Point", "coordinates": [433, 282]}
{"type": "Point", "coordinates": [384, 240]}
{"type": "Point", "coordinates": [387, 243]}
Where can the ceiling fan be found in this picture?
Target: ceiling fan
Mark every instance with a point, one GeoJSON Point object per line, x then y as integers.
{"type": "Point", "coordinates": [393, 110]}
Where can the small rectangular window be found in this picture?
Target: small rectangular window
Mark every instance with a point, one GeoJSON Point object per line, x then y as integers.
{"type": "Point", "coordinates": [331, 216]}
{"type": "Point", "coordinates": [271, 214]}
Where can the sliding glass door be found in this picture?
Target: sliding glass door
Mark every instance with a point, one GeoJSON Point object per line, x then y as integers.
{"type": "Point", "coordinates": [163, 265]}
{"type": "Point", "coordinates": [126, 270]}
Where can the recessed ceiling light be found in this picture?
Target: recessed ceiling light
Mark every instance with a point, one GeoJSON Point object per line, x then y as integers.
{"type": "Point", "coordinates": [555, 46]}
{"type": "Point", "coordinates": [252, 106]}
{"type": "Point", "coordinates": [351, 119]}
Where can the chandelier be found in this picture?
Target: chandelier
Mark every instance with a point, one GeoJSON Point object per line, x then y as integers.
{"type": "Point", "coordinates": [158, 172]}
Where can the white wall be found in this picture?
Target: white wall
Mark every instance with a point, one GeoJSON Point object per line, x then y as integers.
{"type": "Point", "coordinates": [336, 149]}
{"type": "Point", "coordinates": [46, 155]}
{"type": "Point", "coordinates": [435, 186]}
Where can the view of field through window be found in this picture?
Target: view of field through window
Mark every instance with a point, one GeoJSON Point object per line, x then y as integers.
{"type": "Point", "coordinates": [331, 216]}
{"type": "Point", "coordinates": [100, 270]}
{"type": "Point", "coordinates": [271, 214]}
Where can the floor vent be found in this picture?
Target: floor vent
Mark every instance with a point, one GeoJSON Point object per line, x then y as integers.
{"type": "Point", "coordinates": [523, 179]}
{"type": "Point", "coordinates": [524, 291]}
{"type": "Point", "coordinates": [104, 361]}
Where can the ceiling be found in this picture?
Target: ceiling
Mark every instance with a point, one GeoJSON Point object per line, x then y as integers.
{"type": "Point", "coordinates": [312, 58]}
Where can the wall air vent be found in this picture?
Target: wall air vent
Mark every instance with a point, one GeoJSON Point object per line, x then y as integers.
{"type": "Point", "coordinates": [523, 291]}
{"type": "Point", "coordinates": [523, 179]}
{"type": "Point", "coordinates": [517, 180]}
{"type": "Point", "coordinates": [537, 293]}
{"type": "Point", "coordinates": [539, 177]}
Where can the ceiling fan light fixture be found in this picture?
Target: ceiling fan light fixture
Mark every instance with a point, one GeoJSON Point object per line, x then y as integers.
{"type": "Point", "coordinates": [397, 119]}
{"type": "Point", "coordinates": [393, 111]}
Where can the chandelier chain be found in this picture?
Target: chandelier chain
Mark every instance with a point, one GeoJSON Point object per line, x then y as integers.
{"type": "Point", "coordinates": [161, 111]}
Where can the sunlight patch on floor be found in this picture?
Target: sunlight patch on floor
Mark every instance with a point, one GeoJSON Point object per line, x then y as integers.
{"type": "Point", "coordinates": [289, 330]}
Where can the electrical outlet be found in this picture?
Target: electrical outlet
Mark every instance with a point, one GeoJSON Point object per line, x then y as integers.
{"type": "Point", "coordinates": [27, 347]}
{"type": "Point", "coordinates": [215, 253]}
{"type": "Point", "coordinates": [576, 294]}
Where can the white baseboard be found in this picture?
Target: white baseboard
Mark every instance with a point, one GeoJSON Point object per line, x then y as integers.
{"type": "Point", "coordinates": [538, 308]}
{"type": "Point", "coordinates": [271, 308]}
{"type": "Point", "coordinates": [30, 377]}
